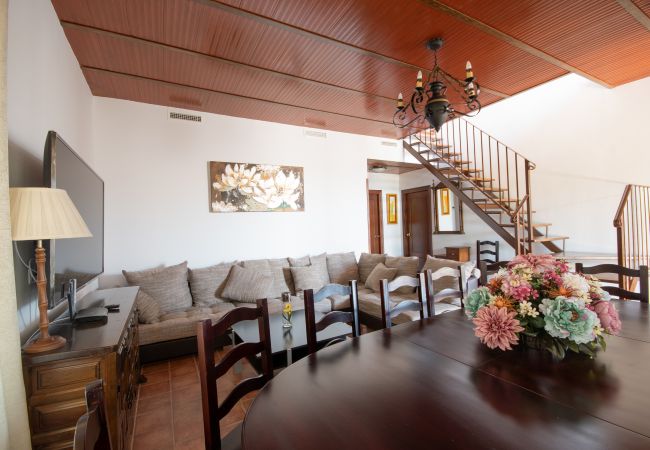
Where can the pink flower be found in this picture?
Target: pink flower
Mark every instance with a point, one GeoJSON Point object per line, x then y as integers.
{"type": "Point", "coordinates": [539, 263]}
{"type": "Point", "coordinates": [497, 327]}
{"type": "Point", "coordinates": [517, 287]}
{"type": "Point", "coordinates": [608, 316]}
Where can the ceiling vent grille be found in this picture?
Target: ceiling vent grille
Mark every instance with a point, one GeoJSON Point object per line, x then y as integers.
{"type": "Point", "coordinates": [389, 143]}
{"type": "Point", "coordinates": [317, 134]}
{"type": "Point", "coordinates": [183, 116]}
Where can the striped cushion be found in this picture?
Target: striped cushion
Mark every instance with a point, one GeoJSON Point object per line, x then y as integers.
{"type": "Point", "coordinates": [148, 308]}
{"type": "Point", "coordinates": [247, 285]}
{"type": "Point", "coordinates": [207, 283]}
{"type": "Point", "coordinates": [380, 272]}
{"type": "Point", "coordinates": [307, 277]}
{"type": "Point", "coordinates": [342, 267]}
{"type": "Point", "coordinates": [166, 285]}
{"type": "Point", "coordinates": [367, 262]}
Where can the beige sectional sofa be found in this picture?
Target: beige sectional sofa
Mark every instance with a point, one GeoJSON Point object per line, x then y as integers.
{"type": "Point", "coordinates": [173, 299]}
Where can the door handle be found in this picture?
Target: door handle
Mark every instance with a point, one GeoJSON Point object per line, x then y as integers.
{"type": "Point", "coordinates": [408, 234]}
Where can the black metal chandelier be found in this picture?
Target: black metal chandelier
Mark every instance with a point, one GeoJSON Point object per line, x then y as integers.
{"type": "Point", "coordinates": [430, 104]}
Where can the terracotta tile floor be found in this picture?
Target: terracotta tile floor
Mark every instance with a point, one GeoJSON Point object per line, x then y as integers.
{"type": "Point", "coordinates": [169, 414]}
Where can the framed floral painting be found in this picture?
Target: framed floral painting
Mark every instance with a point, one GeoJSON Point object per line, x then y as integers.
{"type": "Point", "coordinates": [243, 187]}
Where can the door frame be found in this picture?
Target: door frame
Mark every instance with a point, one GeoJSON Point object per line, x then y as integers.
{"type": "Point", "coordinates": [405, 192]}
{"type": "Point", "coordinates": [381, 220]}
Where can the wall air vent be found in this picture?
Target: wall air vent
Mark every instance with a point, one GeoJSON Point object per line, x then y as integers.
{"type": "Point", "coordinates": [317, 134]}
{"type": "Point", "coordinates": [183, 116]}
{"type": "Point", "coordinates": [389, 143]}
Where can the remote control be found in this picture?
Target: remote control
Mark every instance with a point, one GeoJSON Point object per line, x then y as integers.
{"type": "Point", "coordinates": [112, 307]}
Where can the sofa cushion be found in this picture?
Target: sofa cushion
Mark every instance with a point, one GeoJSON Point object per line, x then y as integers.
{"type": "Point", "coordinates": [148, 308]}
{"type": "Point", "coordinates": [367, 262]}
{"type": "Point", "coordinates": [380, 272]}
{"type": "Point", "coordinates": [207, 283]}
{"type": "Point", "coordinates": [308, 277]}
{"type": "Point", "coordinates": [317, 261]}
{"type": "Point", "coordinates": [342, 267]}
{"type": "Point", "coordinates": [181, 323]}
{"type": "Point", "coordinates": [275, 268]}
{"type": "Point", "coordinates": [166, 285]}
{"type": "Point", "coordinates": [370, 303]}
{"type": "Point", "coordinates": [247, 285]}
{"type": "Point", "coordinates": [405, 265]}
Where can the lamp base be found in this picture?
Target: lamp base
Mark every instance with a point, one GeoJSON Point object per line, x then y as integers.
{"type": "Point", "coordinates": [45, 344]}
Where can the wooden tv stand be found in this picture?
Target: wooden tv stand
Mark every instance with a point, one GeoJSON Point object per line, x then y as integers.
{"type": "Point", "coordinates": [55, 380]}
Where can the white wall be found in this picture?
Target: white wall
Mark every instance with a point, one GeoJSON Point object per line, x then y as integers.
{"type": "Point", "coordinates": [389, 184]}
{"type": "Point", "coordinates": [155, 170]}
{"type": "Point", "coordinates": [45, 91]}
{"type": "Point", "coordinates": [588, 142]}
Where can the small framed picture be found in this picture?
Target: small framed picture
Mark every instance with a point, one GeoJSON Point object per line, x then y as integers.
{"type": "Point", "coordinates": [444, 202]}
{"type": "Point", "coordinates": [391, 208]}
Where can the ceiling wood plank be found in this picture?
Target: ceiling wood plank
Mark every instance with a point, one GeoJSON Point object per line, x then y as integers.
{"type": "Point", "coordinates": [312, 35]}
{"type": "Point", "coordinates": [169, 83]}
{"type": "Point", "coordinates": [288, 76]}
{"type": "Point", "coordinates": [510, 40]}
{"type": "Point", "coordinates": [636, 12]}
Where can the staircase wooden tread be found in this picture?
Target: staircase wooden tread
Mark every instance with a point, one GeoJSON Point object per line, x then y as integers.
{"type": "Point", "coordinates": [549, 238]}
{"type": "Point", "coordinates": [535, 225]}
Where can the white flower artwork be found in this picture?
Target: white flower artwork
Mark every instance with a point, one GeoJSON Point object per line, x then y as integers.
{"type": "Point", "coordinates": [241, 187]}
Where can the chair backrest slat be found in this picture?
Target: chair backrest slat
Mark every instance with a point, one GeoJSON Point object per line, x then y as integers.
{"type": "Point", "coordinates": [445, 272]}
{"type": "Point", "coordinates": [480, 251]}
{"type": "Point", "coordinates": [331, 289]}
{"type": "Point", "coordinates": [422, 304]}
{"type": "Point", "coordinates": [207, 335]}
{"type": "Point", "coordinates": [447, 293]}
{"type": "Point", "coordinates": [641, 273]}
{"type": "Point", "coordinates": [352, 317]}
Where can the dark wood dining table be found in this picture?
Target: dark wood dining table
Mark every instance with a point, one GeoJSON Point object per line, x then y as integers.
{"type": "Point", "coordinates": [432, 384]}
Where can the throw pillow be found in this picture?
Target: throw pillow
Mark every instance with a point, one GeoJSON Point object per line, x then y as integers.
{"type": "Point", "coordinates": [307, 277]}
{"type": "Point", "coordinates": [148, 308]}
{"type": "Point", "coordinates": [367, 262]}
{"type": "Point", "coordinates": [166, 285]}
{"type": "Point", "coordinates": [405, 265]}
{"type": "Point", "coordinates": [275, 268]}
{"type": "Point", "coordinates": [342, 267]}
{"type": "Point", "coordinates": [206, 284]}
{"type": "Point", "coordinates": [317, 261]}
{"type": "Point", "coordinates": [380, 272]}
{"type": "Point", "coordinates": [299, 262]}
{"type": "Point", "coordinates": [247, 285]}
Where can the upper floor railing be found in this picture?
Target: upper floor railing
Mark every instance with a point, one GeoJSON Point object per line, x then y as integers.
{"type": "Point", "coordinates": [632, 222]}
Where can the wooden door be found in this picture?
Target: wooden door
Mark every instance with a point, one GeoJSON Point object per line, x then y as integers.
{"type": "Point", "coordinates": [375, 220]}
{"type": "Point", "coordinates": [416, 228]}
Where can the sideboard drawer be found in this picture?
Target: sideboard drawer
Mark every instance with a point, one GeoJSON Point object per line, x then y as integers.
{"type": "Point", "coordinates": [79, 372]}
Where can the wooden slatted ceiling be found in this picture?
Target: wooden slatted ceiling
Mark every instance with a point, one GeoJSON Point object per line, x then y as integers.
{"type": "Point", "coordinates": [341, 61]}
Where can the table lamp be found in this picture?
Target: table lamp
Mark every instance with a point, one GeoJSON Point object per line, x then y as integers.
{"type": "Point", "coordinates": [37, 214]}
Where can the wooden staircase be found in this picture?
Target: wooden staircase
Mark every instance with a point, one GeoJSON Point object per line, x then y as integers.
{"type": "Point", "coordinates": [488, 177]}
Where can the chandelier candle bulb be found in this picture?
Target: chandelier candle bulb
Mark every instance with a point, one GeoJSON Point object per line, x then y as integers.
{"type": "Point", "coordinates": [418, 83]}
{"type": "Point", "coordinates": [400, 101]}
{"type": "Point", "coordinates": [468, 71]}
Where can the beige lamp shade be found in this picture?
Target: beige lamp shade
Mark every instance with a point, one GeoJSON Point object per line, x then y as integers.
{"type": "Point", "coordinates": [44, 213]}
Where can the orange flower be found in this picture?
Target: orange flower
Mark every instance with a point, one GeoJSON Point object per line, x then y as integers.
{"type": "Point", "coordinates": [495, 284]}
{"type": "Point", "coordinates": [561, 292]}
{"type": "Point", "coordinates": [502, 302]}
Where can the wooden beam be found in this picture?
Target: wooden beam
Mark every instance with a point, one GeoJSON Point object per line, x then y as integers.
{"type": "Point", "coordinates": [510, 40]}
{"type": "Point", "coordinates": [328, 40]}
{"type": "Point", "coordinates": [187, 86]}
{"type": "Point", "coordinates": [636, 12]}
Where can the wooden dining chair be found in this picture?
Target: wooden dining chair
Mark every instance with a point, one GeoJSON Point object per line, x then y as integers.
{"type": "Point", "coordinates": [351, 317]}
{"type": "Point", "coordinates": [445, 292]}
{"type": "Point", "coordinates": [494, 252]}
{"type": "Point", "coordinates": [490, 269]}
{"type": "Point", "coordinates": [421, 304]}
{"type": "Point", "coordinates": [91, 432]}
{"type": "Point", "coordinates": [641, 273]}
{"type": "Point", "coordinates": [207, 337]}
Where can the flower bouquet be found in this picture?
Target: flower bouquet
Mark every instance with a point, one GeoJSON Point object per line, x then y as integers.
{"type": "Point", "coordinates": [537, 299]}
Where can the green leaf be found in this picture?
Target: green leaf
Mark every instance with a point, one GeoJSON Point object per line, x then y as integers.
{"type": "Point", "coordinates": [603, 343]}
{"type": "Point", "coordinates": [537, 322]}
{"type": "Point", "coordinates": [586, 350]}
{"type": "Point", "coordinates": [574, 347]}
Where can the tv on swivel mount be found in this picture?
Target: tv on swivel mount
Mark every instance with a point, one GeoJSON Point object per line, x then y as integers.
{"type": "Point", "coordinates": [80, 259]}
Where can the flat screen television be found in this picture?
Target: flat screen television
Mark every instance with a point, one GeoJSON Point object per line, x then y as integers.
{"type": "Point", "coordinates": [81, 258]}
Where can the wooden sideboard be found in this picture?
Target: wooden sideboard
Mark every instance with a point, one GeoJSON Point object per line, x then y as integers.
{"type": "Point", "coordinates": [460, 254]}
{"type": "Point", "coordinates": [55, 381]}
